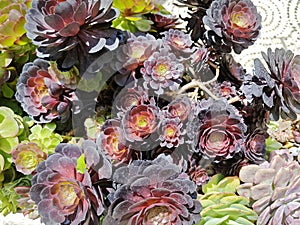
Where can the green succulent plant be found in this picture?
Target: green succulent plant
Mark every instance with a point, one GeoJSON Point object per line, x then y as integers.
{"type": "Point", "coordinates": [132, 14]}
{"type": "Point", "coordinates": [221, 205]}
{"type": "Point", "coordinates": [273, 188]}
{"type": "Point", "coordinates": [11, 133]}
{"type": "Point", "coordinates": [12, 21]}
{"type": "Point", "coordinates": [12, 32]}
{"type": "Point", "coordinates": [45, 137]}
{"type": "Point", "coordinates": [8, 196]}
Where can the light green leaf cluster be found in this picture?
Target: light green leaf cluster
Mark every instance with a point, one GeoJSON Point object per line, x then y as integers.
{"type": "Point", "coordinates": [132, 14]}
{"type": "Point", "coordinates": [45, 137]}
{"type": "Point", "coordinates": [11, 129]}
{"type": "Point", "coordinates": [221, 205]}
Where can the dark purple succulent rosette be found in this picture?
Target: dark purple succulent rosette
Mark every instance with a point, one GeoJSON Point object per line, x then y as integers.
{"type": "Point", "coordinates": [153, 192]}
{"type": "Point", "coordinates": [216, 129]}
{"type": "Point", "coordinates": [198, 175]}
{"type": "Point", "coordinates": [161, 71]}
{"type": "Point", "coordinates": [137, 50]}
{"type": "Point", "coordinates": [42, 96]}
{"type": "Point", "coordinates": [235, 22]}
{"type": "Point", "coordinates": [180, 107]}
{"type": "Point", "coordinates": [171, 132]}
{"type": "Point", "coordinates": [179, 42]}
{"type": "Point", "coordinates": [225, 90]}
{"type": "Point", "coordinates": [113, 144]}
{"type": "Point", "coordinates": [162, 22]}
{"type": "Point", "coordinates": [140, 124]}
{"type": "Point", "coordinates": [64, 194]}
{"type": "Point", "coordinates": [71, 31]}
{"type": "Point", "coordinates": [231, 71]}
{"type": "Point", "coordinates": [255, 146]}
{"type": "Point", "coordinates": [231, 166]}
{"type": "Point", "coordinates": [129, 97]}
{"type": "Point", "coordinates": [196, 13]}
{"type": "Point", "coordinates": [277, 86]}
{"type": "Point", "coordinates": [132, 56]}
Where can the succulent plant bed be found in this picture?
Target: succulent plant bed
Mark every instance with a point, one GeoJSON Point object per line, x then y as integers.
{"type": "Point", "coordinates": [119, 112]}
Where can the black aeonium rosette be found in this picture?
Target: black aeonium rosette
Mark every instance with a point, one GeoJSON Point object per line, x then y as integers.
{"type": "Point", "coordinates": [216, 129]}
{"type": "Point", "coordinates": [278, 86]}
{"type": "Point", "coordinates": [65, 194]}
{"type": "Point", "coordinates": [153, 192]}
{"type": "Point", "coordinates": [43, 95]}
{"type": "Point", "coordinates": [234, 24]}
{"type": "Point", "coordinates": [72, 31]}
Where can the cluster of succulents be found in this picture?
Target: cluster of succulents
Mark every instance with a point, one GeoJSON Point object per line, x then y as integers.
{"type": "Point", "coordinates": [273, 188]}
{"type": "Point", "coordinates": [111, 114]}
{"type": "Point", "coordinates": [222, 205]}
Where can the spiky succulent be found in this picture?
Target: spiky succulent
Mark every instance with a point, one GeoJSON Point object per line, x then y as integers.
{"type": "Point", "coordinates": [41, 93]}
{"type": "Point", "coordinates": [162, 70]}
{"type": "Point", "coordinates": [221, 205]}
{"type": "Point", "coordinates": [63, 185]}
{"type": "Point", "coordinates": [153, 192]}
{"type": "Point", "coordinates": [234, 24]}
{"type": "Point", "coordinates": [8, 196]}
{"type": "Point", "coordinates": [216, 129]}
{"type": "Point", "coordinates": [274, 189]}
{"type": "Point", "coordinates": [27, 156]}
{"type": "Point", "coordinates": [279, 85]}
{"type": "Point", "coordinates": [71, 31]}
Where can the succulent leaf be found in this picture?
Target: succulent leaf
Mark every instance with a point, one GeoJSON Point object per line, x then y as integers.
{"type": "Point", "coordinates": [221, 205]}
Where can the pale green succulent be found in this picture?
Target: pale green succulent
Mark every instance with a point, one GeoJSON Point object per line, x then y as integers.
{"type": "Point", "coordinates": [11, 129]}
{"type": "Point", "coordinates": [12, 20]}
{"type": "Point", "coordinates": [274, 189]}
{"type": "Point", "coordinates": [45, 137]}
{"type": "Point", "coordinates": [222, 206]}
